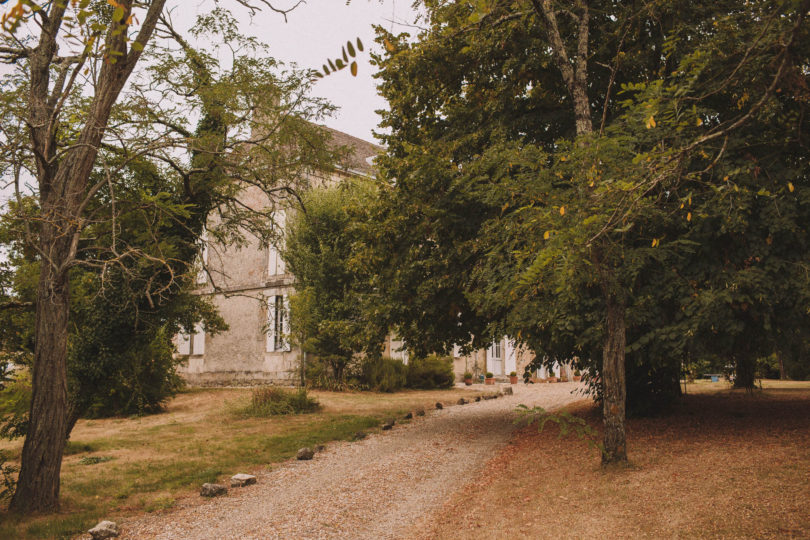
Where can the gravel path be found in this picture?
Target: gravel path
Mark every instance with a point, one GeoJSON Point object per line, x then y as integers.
{"type": "Point", "coordinates": [375, 488]}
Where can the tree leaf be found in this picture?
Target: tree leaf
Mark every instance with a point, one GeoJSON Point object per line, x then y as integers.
{"type": "Point", "coordinates": [353, 69]}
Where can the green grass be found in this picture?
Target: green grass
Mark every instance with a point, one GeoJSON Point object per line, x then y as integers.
{"type": "Point", "coordinates": [117, 467]}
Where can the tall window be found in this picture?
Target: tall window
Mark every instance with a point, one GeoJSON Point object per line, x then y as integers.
{"type": "Point", "coordinates": [193, 344]}
{"type": "Point", "coordinates": [278, 324]}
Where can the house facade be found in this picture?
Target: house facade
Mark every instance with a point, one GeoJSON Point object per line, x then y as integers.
{"type": "Point", "coordinates": [250, 287]}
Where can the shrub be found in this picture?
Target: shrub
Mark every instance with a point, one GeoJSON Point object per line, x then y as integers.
{"type": "Point", "coordinates": [513, 373]}
{"type": "Point", "coordinates": [271, 401]}
{"type": "Point", "coordinates": [468, 375]}
{"type": "Point", "coordinates": [489, 375]}
{"type": "Point", "coordinates": [383, 374]}
{"type": "Point", "coordinates": [431, 372]}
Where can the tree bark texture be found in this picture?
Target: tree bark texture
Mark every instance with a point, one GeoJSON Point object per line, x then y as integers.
{"type": "Point", "coordinates": [614, 387]}
{"type": "Point", "coordinates": [63, 192]}
{"type": "Point", "coordinates": [38, 483]}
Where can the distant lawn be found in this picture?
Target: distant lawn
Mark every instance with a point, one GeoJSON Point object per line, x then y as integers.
{"type": "Point", "coordinates": [123, 466]}
{"type": "Point", "coordinates": [725, 464]}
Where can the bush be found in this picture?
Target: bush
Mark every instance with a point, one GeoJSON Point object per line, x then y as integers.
{"type": "Point", "coordinates": [272, 401]}
{"type": "Point", "coordinates": [383, 375]}
{"type": "Point", "coordinates": [468, 375]}
{"type": "Point", "coordinates": [513, 373]}
{"type": "Point", "coordinates": [431, 373]}
{"type": "Point", "coordinates": [489, 375]}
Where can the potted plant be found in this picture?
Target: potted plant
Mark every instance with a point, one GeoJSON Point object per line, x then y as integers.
{"type": "Point", "coordinates": [490, 378]}
{"type": "Point", "coordinates": [551, 377]}
{"type": "Point", "coordinates": [468, 378]}
{"type": "Point", "coordinates": [513, 377]}
{"type": "Point", "coordinates": [577, 375]}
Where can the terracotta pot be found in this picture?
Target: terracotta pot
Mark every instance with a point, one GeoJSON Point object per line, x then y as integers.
{"type": "Point", "coordinates": [513, 380]}
{"type": "Point", "coordinates": [577, 378]}
{"type": "Point", "coordinates": [468, 382]}
{"type": "Point", "coordinates": [489, 381]}
{"type": "Point", "coordinates": [552, 379]}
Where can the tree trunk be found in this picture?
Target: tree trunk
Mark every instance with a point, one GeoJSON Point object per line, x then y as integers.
{"type": "Point", "coordinates": [613, 383]}
{"type": "Point", "coordinates": [38, 482]}
{"type": "Point", "coordinates": [745, 372]}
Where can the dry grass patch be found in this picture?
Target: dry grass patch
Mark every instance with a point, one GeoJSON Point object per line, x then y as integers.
{"type": "Point", "coordinates": [724, 465]}
{"type": "Point", "coordinates": [158, 460]}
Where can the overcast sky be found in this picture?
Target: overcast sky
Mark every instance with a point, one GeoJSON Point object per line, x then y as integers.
{"type": "Point", "coordinates": [315, 31]}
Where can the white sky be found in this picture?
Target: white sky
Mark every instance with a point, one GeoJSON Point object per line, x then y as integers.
{"type": "Point", "coordinates": [315, 31]}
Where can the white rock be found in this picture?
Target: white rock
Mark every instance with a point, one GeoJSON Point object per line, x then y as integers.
{"type": "Point", "coordinates": [242, 480]}
{"type": "Point", "coordinates": [105, 529]}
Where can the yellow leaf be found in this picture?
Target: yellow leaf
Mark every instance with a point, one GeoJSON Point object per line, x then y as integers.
{"type": "Point", "coordinates": [655, 242]}
{"type": "Point", "coordinates": [725, 178]}
{"type": "Point", "coordinates": [689, 216]}
{"type": "Point", "coordinates": [650, 122]}
{"type": "Point", "coordinates": [699, 122]}
{"type": "Point", "coordinates": [690, 200]}
{"type": "Point", "coordinates": [562, 210]}
{"type": "Point", "coordinates": [388, 45]}
{"type": "Point", "coordinates": [681, 206]}
{"type": "Point", "coordinates": [592, 184]}
{"type": "Point", "coordinates": [790, 187]}
{"type": "Point", "coordinates": [563, 158]}
{"type": "Point", "coordinates": [546, 235]}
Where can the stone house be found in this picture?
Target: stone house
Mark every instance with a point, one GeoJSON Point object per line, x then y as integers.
{"type": "Point", "coordinates": [252, 288]}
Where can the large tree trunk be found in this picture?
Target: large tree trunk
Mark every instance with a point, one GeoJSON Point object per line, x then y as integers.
{"type": "Point", "coordinates": [613, 383]}
{"type": "Point", "coordinates": [38, 482]}
{"type": "Point", "coordinates": [745, 372]}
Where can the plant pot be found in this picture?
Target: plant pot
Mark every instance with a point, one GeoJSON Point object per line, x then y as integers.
{"type": "Point", "coordinates": [513, 380]}
{"type": "Point", "coordinates": [552, 379]}
{"type": "Point", "coordinates": [489, 381]}
{"type": "Point", "coordinates": [468, 382]}
{"type": "Point", "coordinates": [577, 378]}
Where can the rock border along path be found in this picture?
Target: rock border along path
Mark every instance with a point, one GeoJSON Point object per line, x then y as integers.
{"type": "Point", "coordinates": [377, 488]}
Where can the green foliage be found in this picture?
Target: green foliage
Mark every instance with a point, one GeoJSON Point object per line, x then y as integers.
{"type": "Point", "coordinates": [7, 477]}
{"type": "Point", "coordinates": [15, 401]}
{"type": "Point", "coordinates": [430, 373]}
{"type": "Point", "coordinates": [685, 207]}
{"type": "Point", "coordinates": [566, 421]}
{"type": "Point", "coordinates": [383, 374]}
{"type": "Point", "coordinates": [268, 401]}
{"type": "Point", "coordinates": [326, 311]}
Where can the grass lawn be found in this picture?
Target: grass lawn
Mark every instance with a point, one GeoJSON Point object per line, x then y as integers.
{"type": "Point", "coordinates": [725, 465]}
{"type": "Point", "coordinates": [123, 466]}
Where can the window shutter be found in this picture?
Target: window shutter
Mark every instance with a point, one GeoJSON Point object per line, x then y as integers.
{"type": "Point", "coordinates": [183, 344]}
{"type": "Point", "coordinates": [285, 323]}
{"type": "Point", "coordinates": [199, 340]}
{"type": "Point", "coordinates": [271, 324]}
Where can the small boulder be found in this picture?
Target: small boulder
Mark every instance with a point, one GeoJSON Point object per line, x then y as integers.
{"type": "Point", "coordinates": [242, 480]}
{"type": "Point", "coordinates": [305, 454]}
{"type": "Point", "coordinates": [408, 416]}
{"type": "Point", "coordinates": [477, 399]}
{"type": "Point", "coordinates": [420, 412]}
{"type": "Point", "coordinates": [389, 424]}
{"type": "Point", "coordinates": [508, 391]}
{"type": "Point", "coordinates": [213, 490]}
{"type": "Point", "coordinates": [360, 435]}
{"type": "Point", "coordinates": [105, 529]}
{"type": "Point", "coordinates": [462, 401]}
{"type": "Point", "coordinates": [439, 405]}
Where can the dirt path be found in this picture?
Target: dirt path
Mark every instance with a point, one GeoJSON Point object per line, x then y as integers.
{"type": "Point", "coordinates": [376, 488]}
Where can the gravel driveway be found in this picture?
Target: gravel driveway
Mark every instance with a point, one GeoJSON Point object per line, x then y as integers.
{"type": "Point", "coordinates": [379, 487]}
